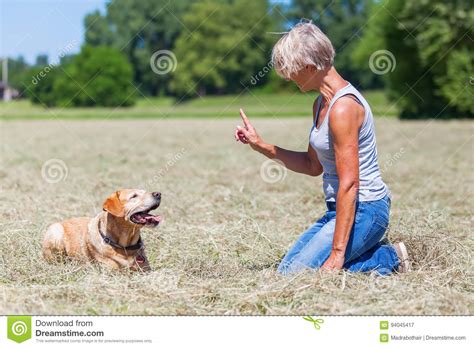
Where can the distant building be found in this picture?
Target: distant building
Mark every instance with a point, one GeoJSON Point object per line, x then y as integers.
{"type": "Point", "coordinates": [7, 92]}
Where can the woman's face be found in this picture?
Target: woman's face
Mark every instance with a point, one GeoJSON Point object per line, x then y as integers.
{"type": "Point", "coordinates": [307, 79]}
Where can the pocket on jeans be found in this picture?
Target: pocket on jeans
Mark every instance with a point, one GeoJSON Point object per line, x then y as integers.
{"type": "Point", "coordinates": [381, 211]}
{"type": "Point", "coordinates": [379, 225]}
{"type": "Point", "coordinates": [382, 216]}
{"type": "Point", "coordinates": [328, 216]}
{"type": "Point", "coordinates": [364, 221]}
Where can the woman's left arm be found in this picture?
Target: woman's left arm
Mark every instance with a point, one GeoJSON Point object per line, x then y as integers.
{"type": "Point", "coordinates": [345, 120]}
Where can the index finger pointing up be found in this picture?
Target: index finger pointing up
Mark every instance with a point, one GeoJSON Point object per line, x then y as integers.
{"type": "Point", "coordinates": [244, 118]}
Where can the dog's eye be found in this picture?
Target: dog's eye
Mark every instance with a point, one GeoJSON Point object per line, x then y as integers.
{"type": "Point", "coordinates": [134, 196]}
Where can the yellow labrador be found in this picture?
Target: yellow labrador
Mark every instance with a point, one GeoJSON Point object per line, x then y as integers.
{"type": "Point", "coordinates": [112, 237]}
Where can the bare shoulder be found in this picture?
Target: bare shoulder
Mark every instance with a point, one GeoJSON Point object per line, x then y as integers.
{"type": "Point", "coordinates": [346, 113]}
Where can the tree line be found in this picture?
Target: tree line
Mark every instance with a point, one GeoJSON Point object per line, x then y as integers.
{"type": "Point", "coordinates": [421, 52]}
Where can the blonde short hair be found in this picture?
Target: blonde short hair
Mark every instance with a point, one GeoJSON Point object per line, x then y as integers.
{"type": "Point", "coordinates": [305, 44]}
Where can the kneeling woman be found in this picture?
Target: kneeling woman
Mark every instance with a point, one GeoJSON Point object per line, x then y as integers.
{"type": "Point", "coordinates": [342, 147]}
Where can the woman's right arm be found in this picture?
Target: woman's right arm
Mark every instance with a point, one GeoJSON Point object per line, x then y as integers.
{"type": "Point", "coordinates": [300, 162]}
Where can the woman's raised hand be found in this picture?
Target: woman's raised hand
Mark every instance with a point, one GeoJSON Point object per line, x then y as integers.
{"type": "Point", "coordinates": [247, 134]}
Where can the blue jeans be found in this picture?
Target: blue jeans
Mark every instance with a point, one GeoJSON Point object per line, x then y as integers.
{"type": "Point", "coordinates": [364, 252]}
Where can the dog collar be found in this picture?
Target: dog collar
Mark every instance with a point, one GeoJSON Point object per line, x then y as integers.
{"type": "Point", "coordinates": [109, 241]}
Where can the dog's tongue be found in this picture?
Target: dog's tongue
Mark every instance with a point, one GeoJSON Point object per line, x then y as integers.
{"type": "Point", "coordinates": [152, 219]}
{"type": "Point", "coordinates": [144, 218]}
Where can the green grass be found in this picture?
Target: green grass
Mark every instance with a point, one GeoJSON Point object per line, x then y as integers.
{"type": "Point", "coordinates": [256, 105]}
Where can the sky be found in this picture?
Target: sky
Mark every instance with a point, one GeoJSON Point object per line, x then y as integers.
{"type": "Point", "coordinates": [52, 27]}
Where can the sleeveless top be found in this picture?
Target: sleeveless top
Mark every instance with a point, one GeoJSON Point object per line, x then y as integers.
{"type": "Point", "coordinates": [371, 186]}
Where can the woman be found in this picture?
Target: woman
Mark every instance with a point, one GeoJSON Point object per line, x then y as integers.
{"type": "Point", "coordinates": [342, 147]}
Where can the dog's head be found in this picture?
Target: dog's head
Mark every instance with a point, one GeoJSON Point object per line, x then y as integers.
{"type": "Point", "coordinates": [134, 206]}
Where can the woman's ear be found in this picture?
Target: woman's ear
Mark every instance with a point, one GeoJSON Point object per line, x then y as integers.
{"type": "Point", "coordinates": [113, 205]}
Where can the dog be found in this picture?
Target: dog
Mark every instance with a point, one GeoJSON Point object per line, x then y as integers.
{"type": "Point", "coordinates": [112, 237]}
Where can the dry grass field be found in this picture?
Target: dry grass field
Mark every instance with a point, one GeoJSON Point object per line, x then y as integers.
{"type": "Point", "coordinates": [228, 219]}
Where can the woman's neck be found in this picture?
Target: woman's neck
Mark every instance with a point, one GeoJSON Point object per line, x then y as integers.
{"type": "Point", "coordinates": [331, 83]}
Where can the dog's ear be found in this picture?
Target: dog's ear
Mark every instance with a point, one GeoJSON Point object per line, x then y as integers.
{"type": "Point", "coordinates": [113, 205]}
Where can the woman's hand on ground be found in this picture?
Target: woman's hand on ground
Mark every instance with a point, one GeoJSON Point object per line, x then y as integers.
{"type": "Point", "coordinates": [334, 262]}
{"type": "Point", "coordinates": [247, 134]}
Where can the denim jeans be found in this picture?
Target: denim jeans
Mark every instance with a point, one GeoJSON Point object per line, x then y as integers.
{"type": "Point", "coordinates": [364, 252]}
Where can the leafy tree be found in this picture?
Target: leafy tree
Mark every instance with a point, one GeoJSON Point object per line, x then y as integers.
{"type": "Point", "coordinates": [138, 29]}
{"type": "Point", "coordinates": [456, 85]}
{"type": "Point", "coordinates": [18, 73]}
{"type": "Point", "coordinates": [227, 43]}
{"type": "Point", "coordinates": [98, 30]}
{"type": "Point", "coordinates": [343, 21]}
{"type": "Point", "coordinates": [97, 76]}
{"type": "Point", "coordinates": [41, 60]}
{"type": "Point", "coordinates": [41, 85]}
{"type": "Point", "coordinates": [431, 41]}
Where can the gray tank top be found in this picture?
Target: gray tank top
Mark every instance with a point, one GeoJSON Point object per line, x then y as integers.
{"type": "Point", "coordinates": [371, 185]}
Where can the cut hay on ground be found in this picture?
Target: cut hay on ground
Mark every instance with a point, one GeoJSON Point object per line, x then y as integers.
{"type": "Point", "coordinates": [225, 227]}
